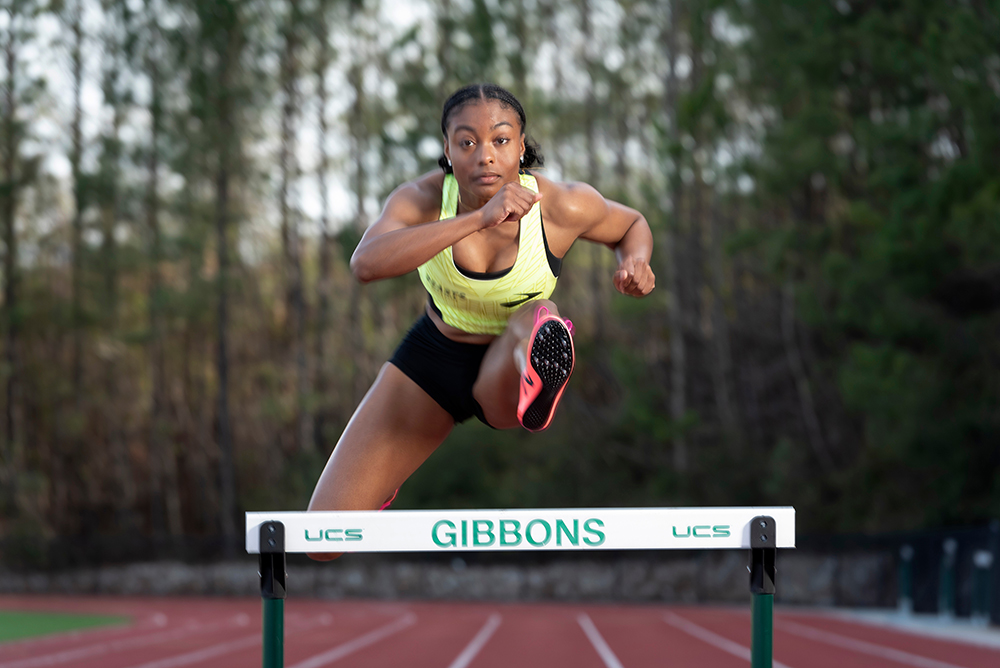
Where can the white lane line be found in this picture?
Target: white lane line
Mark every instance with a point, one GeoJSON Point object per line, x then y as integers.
{"type": "Point", "coordinates": [107, 647]}
{"type": "Point", "coordinates": [203, 654]}
{"type": "Point", "coordinates": [597, 640]}
{"type": "Point", "coordinates": [837, 640]}
{"type": "Point", "coordinates": [713, 639]}
{"type": "Point", "coordinates": [199, 655]}
{"type": "Point", "coordinates": [340, 651]}
{"type": "Point", "coordinates": [472, 649]}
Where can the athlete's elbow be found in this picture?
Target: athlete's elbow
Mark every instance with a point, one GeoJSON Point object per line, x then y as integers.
{"type": "Point", "coordinates": [362, 269]}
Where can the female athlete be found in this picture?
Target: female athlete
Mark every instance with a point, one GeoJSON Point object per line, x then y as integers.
{"type": "Point", "coordinates": [487, 236]}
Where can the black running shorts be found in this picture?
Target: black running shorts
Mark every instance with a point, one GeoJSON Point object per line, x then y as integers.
{"type": "Point", "coordinates": [444, 369]}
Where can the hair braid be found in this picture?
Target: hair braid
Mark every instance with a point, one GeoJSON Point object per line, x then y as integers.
{"type": "Point", "coordinates": [488, 91]}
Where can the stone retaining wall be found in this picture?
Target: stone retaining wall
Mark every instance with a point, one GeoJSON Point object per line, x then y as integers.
{"type": "Point", "coordinates": [709, 577]}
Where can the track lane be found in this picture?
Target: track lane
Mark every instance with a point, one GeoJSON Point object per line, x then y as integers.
{"type": "Point", "coordinates": [105, 650]}
{"type": "Point", "coordinates": [219, 633]}
{"type": "Point", "coordinates": [313, 628]}
{"type": "Point", "coordinates": [438, 634]}
{"type": "Point", "coordinates": [804, 640]}
{"type": "Point", "coordinates": [438, 637]}
{"type": "Point", "coordinates": [734, 625]}
{"type": "Point", "coordinates": [538, 635]}
{"type": "Point", "coordinates": [475, 645]}
{"type": "Point", "coordinates": [640, 638]}
{"type": "Point", "coordinates": [892, 645]}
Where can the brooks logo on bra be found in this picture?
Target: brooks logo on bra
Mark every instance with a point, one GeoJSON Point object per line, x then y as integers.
{"type": "Point", "coordinates": [523, 297]}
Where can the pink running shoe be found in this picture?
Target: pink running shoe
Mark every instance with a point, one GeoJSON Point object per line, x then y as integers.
{"type": "Point", "coordinates": [388, 502]}
{"type": "Point", "coordinates": [550, 363]}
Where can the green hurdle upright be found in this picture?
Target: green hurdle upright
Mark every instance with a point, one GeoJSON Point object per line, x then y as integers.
{"type": "Point", "coordinates": [762, 556]}
{"type": "Point", "coordinates": [761, 530]}
{"type": "Point", "coordinates": [272, 591]}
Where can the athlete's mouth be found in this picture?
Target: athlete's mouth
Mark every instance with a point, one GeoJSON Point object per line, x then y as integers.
{"type": "Point", "coordinates": [487, 179]}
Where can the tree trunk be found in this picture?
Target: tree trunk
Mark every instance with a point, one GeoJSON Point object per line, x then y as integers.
{"type": "Point", "coordinates": [810, 418]}
{"type": "Point", "coordinates": [519, 57]}
{"type": "Point", "coordinates": [227, 468]}
{"type": "Point", "coordinates": [76, 243]}
{"type": "Point", "coordinates": [324, 284]}
{"type": "Point", "coordinates": [599, 296]}
{"type": "Point", "coordinates": [123, 475]}
{"type": "Point", "coordinates": [722, 361]}
{"type": "Point", "coordinates": [445, 28]}
{"type": "Point", "coordinates": [290, 237]}
{"type": "Point", "coordinates": [671, 250]}
{"type": "Point", "coordinates": [10, 456]}
{"type": "Point", "coordinates": [359, 137]}
{"type": "Point", "coordinates": [160, 447]}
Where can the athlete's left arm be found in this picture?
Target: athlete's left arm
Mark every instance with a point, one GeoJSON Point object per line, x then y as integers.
{"type": "Point", "coordinates": [622, 229]}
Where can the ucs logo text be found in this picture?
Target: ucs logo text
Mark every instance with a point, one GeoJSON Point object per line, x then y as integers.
{"type": "Point", "coordinates": [510, 533]}
{"type": "Point", "coordinates": [704, 531]}
{"type": "Point", "coordinates": [334, 535]}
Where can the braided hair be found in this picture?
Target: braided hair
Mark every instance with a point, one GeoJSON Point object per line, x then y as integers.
{"type": "Point", "coordinates": [488, 91]}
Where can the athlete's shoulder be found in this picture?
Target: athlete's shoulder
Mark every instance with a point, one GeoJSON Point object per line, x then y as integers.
{"type": "Point", "coordinates": [422, 194]}
{"type": "Point", "coordinates": [424, 188]}
{"type": "Point", "coordinates": [567, 201]}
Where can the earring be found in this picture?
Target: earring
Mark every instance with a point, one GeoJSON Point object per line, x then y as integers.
{"type": "Point", "coordinates": [522, 159]}
{"type": "Point", "coordinates": [449, 162]}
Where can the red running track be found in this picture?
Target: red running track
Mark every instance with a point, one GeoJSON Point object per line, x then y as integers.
{"type": "Point", "coordinates": [219, 633]}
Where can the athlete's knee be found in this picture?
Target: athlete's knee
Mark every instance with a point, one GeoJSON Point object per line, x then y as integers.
{"type": "Point", "coordinates": [501, 419]}
{"type": "Point", "coordinates": [524, 320]}
{"type": "Point", "coordinates": [547, 304]}
{"type": "Point", "coordinates": [497, 412]}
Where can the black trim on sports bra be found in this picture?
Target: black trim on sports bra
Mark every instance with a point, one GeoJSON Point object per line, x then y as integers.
{"type": "Point", "coordinates": [555, 263]}
{"type": "Point", "coordinates": [434, 307]}
{"type": "Point", "coordinates": [483, 275]}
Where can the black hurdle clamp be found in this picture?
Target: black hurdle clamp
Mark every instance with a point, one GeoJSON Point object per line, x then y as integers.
{"type": "Point", "coordinates": [763, 547]}
{"type": "Point", "coordinates": [272, 560]}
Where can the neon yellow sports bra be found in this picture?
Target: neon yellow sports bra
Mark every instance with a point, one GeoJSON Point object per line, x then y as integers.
{"type": "Point", "coordinates": [481, 303]}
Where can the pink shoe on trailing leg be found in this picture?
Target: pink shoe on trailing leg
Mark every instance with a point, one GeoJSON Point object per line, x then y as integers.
{"type": "Point", "coordinates": [388, 502]}
{"type": "Point", "coordinates": [550, 363]}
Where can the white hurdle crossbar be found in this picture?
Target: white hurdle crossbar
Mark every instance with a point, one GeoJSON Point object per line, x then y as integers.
{"type": "Point", "coordinates": [527, 530]}
{"type": "Point", "coordinates": [762, 530]}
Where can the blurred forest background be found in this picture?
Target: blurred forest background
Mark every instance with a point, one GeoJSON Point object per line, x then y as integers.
{"type": "Point", "coordinates": [182, 183]}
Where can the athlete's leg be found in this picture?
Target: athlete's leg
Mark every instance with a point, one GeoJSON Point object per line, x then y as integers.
{"type": "Point", "coordinates": [497, 385]}
{"type": "Point", "coordinates": [396, 427]}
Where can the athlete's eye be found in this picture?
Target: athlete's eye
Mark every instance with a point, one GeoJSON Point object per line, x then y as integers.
{"type": "Point", "coordinates": [466, 142]}
{"type": "Point", "coordinates": [503, 140]}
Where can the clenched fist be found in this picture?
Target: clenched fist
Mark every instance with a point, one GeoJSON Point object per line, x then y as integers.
{"type": "Point", "coordinates": [510, 203]}
{"type": "Point", "coordinates": [634, 278]}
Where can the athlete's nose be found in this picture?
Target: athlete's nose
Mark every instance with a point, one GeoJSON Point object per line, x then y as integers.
{"type": "Point", "coordinates": [486, 156]}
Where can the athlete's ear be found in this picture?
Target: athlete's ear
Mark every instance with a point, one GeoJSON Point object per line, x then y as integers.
{"type": "Point", "coordinates": [447, 153]}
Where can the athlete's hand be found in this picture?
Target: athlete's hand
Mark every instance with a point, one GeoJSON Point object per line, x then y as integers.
{"type": "Point", "coordinates": [510, 203]}
{"type": "Point", "coordinates": [634, 278]}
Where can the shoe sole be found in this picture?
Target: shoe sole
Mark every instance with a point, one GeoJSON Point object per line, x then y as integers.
{"type": "Point", "coordinates": [551, 358]}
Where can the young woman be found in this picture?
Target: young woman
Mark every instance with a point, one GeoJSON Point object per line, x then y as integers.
{"type": "Point", "coordinates": [487, 237]}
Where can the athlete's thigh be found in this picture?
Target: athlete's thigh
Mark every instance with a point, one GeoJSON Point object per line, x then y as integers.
{"type": "Point", "coordinates": [497, 384]}
{"type": "Point", "coordinates": [396, 427]}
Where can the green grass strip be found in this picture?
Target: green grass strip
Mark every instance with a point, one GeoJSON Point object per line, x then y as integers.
{"type": "Point", "coordinates": [16, 625]}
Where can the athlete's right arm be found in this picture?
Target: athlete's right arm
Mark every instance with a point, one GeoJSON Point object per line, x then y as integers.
{"type": "Point", "coordinates": [408, 233]}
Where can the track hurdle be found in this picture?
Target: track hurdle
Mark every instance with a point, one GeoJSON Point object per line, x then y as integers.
{"type": "Point", "coordinates": [762, 530]}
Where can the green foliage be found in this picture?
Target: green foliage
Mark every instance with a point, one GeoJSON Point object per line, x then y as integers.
{"type": "Point", "coordinates": [883, 156]}
{"type": "Point", "coordinates": [829, 177]}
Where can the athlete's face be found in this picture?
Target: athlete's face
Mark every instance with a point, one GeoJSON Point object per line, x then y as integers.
{"type": "Point", "coordinates": [485, 145]}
